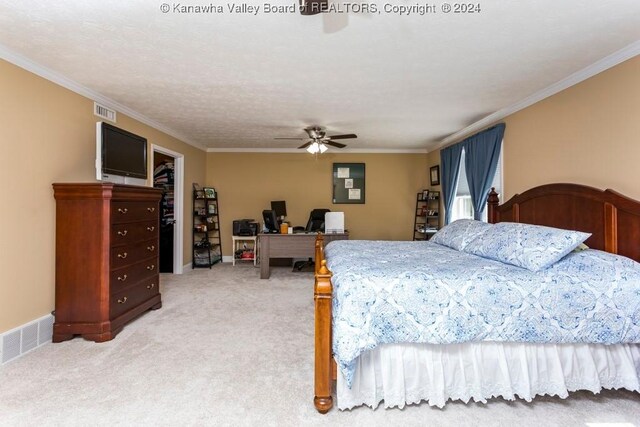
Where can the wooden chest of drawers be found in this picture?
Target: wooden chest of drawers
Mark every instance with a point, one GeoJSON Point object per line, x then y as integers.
{"type": "Point", "coordinates": [106, 258]}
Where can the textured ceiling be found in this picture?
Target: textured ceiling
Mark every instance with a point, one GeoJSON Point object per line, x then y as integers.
{"type": "Point", "coordinates": [239, 80]}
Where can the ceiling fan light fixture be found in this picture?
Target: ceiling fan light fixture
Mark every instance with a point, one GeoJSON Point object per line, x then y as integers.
{"type": "Point", "coordinates": [317, 147]}
{"type": "Point", "coordinates": [313, 148]}
{"type": "Point", "coordinates": [319, 142]}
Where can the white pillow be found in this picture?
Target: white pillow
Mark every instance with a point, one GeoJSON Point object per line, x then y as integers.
{"type": "Point", "coordinates": [533, 247]}
{"type": "Point", "coordinates": [460, 233]}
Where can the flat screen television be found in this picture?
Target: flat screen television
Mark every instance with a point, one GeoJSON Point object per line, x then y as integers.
{"type": "Point", "coordinates": [119, 153]}
{"type": "Point", "coordinates": [280, 207]}
{"type": "Point", "coordinates": [270, 221]}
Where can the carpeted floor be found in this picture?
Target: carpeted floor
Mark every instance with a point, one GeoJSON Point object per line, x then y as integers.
{"type": "Point", "coordinates": [230, 349]}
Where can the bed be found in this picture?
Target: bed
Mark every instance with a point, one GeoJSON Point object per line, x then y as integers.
{"type": "Point", "coordinates": [587, 343]}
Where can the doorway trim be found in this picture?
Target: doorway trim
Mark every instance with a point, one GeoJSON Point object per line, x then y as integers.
{"type": "Point", "coordinates": [178, 204]}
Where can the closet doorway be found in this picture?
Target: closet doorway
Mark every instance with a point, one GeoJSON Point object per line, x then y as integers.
{"type": "Point", "coordinates": [168, 175]}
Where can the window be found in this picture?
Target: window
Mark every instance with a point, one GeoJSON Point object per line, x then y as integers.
{"type": "Point", "coordinates": [462, 206]}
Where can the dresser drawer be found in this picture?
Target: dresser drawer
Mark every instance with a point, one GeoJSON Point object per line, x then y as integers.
{"type": "Point", "coordinates": [132, 296]}
{"type": "Point", "coordinates": [124, 234]}
{"type": "Point", "coordinates": [123, 212]}
{"type": "Point", "coordinates": [122, 256]}
{"type": "Point", "coordinates": [126, 276]}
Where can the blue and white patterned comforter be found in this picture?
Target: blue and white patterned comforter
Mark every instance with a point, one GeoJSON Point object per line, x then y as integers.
{"type": "Point", "coordinates": [422, 292]}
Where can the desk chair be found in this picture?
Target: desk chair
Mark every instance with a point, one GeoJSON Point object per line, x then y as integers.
{"type": "Point", "coordinates": [314, 224]}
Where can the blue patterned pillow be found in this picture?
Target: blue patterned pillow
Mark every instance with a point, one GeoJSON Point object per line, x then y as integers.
{"type": "Point", "coordinates": [460, 233]}
{"type": "Point", "coordinates": [533, 247]}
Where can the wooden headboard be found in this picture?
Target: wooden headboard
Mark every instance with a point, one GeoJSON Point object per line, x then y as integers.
{"type": "Point", "coordinates": [613, 219]}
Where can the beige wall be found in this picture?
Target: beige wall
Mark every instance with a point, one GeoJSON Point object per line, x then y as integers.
{"type": "Point", "coordinates": [587, 134]}
{"type": "Point", "coordinates": [246, 183]}
{"type": "Point", "coordinates": [48, 135]}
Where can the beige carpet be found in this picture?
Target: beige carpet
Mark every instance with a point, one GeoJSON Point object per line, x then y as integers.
{"type": "Point", "coordinates": [230, 349]}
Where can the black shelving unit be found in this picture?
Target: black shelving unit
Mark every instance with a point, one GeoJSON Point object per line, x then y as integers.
{"type": "Point", "coordinates": [427, 219]}
{"type": "Point", "coordinates": [207, 246]}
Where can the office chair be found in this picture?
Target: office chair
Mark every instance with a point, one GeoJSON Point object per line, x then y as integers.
{"type": "Point", "coordinates": [314, 224]}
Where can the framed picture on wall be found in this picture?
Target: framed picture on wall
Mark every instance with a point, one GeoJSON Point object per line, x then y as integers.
{"type": "Point", "coordinates": [348, 183]}
{"type": "Point", "coordinates": [209, 193]}
{"type": "Point", "coordinates": [434, 173]}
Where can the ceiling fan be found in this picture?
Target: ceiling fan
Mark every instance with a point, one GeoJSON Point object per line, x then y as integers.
{"type": "Point", "coordinates": [313, 7]}
{"type": "Point", "coordinates": [334, 18]}
{"type": "Point", "coordinates": [319, 140]}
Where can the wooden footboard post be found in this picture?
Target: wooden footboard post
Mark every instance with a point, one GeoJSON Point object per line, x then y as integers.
{"type": "Point", "coordinates": [322, 297]}
{"type": "Point", "coordinates": [319, 251]}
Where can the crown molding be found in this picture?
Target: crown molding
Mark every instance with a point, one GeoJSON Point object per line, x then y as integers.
{"type": "Point", "coordinates": [605, 63]}
{"type": "Point", "coordinates": [57, 78]}
{"type": "Point", "coordinates": [331, 151]}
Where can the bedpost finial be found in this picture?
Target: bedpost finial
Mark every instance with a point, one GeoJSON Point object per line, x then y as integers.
{"type": "Point", "coordinates": [493, 197]}
{"type": "Point", "coordinates": [323, 267]}
{"type": "Point", "coordinates": [492, 203]}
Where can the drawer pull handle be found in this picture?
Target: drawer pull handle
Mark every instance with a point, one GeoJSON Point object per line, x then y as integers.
{"type": "Point", "coordinates": [151, 209]}
{"type": "Point", "coordinates": [123, 210]}
{"type": "Point", "coordinates": [123, 278]}
{"type": "Point", "coordinates": [122, 301]}
{"type": "Point", "coordinates": [151, 286]}
{"type": "Point", "coordinates": [150, 267]}
{"type": "Point", "coordinates": [151, 228]}
{"type": "Point", "coordinates": [123, 233]}
{"type": "Point", "coordinates": [151, 248]}
{"type": "Point", "coordinates": [123, 255]}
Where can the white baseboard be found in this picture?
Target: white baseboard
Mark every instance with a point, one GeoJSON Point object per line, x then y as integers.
{"type": "Point", "coordinates": [23, 339]}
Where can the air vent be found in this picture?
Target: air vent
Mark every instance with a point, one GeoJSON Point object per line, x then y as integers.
{"type": "Point", "coordinates": [29, 337]}
{"type": "Point", "coordinates": [104, 112]}
{"type": "Point", "coordinates": [45, 330]}
{"type": "Point", "coordinates": [10, 346]}
{"type": "Point", "coordinates": [25, 338]}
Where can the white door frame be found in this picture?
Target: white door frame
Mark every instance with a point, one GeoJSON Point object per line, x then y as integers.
{"type": "Point", "coordinates": [178, 204]}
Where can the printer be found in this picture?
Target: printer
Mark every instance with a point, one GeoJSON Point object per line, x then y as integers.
{"type": "Point", "coordinates": [245, 227]}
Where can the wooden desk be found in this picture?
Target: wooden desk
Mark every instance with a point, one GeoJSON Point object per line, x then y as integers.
{"type": "Point", "coordinates": [297, 245]}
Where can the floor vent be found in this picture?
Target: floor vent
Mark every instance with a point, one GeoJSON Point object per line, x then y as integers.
{"type": "Point", "coordinates": [10, 346]}
{"type": "Point", "coordinates": [104, 112]}
{"type": "Point", "coordinates": [45, 330]}
{"type": "Point", "coordinates": [25, 338]}
{"type": "Point", "coordinates": [29, 337]}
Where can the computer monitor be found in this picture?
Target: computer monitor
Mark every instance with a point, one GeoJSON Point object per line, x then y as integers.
{"type": "Point", "coordinates": [280, 207]}
{"type": "Point", "coordinates": [270, 221]}
{"type": "Point", "coordinates": [334, 222]}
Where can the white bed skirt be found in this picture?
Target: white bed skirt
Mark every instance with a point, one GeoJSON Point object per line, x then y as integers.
{"type": "Point", "coordinates": [403, 374]}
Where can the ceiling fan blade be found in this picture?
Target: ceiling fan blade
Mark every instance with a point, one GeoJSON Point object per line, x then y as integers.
{"type": "Point", "coordinates": [306, 145]}
{"type": "Point", "coordinates": [334, 144]}
{"type": "Point", "coordinates": [291, 138]}
{"type": "Point", "coordinates": [345, 136]}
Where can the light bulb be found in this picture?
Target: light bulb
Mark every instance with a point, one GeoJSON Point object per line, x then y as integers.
{"type": "Point", "coordinates": [313, 148]}
{"type": "Point", "coordinates": [323, 148]}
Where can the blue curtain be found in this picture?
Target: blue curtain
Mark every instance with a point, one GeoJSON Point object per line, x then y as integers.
{"type": "Point", "coordinates": [482, 152]}
{"type": "Point", "coordinates": [449, 172]}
